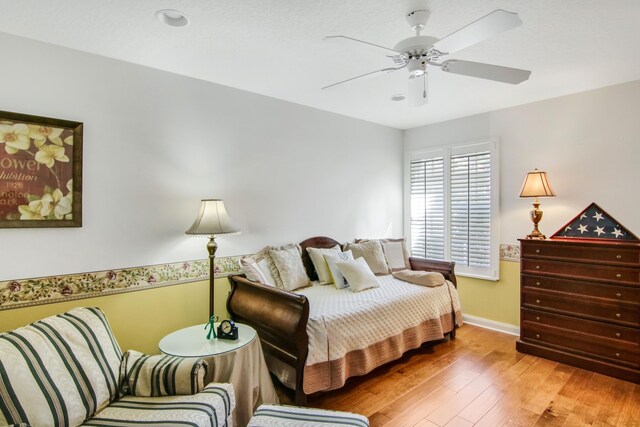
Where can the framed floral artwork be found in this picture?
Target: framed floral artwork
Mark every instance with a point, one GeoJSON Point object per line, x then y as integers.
{"type": "Point", "coordinates": [40, 172]}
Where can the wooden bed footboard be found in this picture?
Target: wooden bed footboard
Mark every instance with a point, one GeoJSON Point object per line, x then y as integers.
{"type": "Point", "coordinates": [280, 319]}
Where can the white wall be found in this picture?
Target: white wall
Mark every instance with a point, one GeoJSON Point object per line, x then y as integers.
{"type": "Point", "coordinates": [156, 143]}
{"type": "Point", "coordinates": [589, 143]}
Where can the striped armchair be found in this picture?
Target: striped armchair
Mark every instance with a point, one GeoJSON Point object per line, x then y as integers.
{"type": "Point", "coordinates": [68, 370]}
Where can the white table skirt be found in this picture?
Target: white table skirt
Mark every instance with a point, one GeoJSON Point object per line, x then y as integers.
{"type": "Point", "coordinates": [246, 369]}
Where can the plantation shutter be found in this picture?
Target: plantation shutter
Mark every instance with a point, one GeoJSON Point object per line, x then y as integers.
{"type": "Point", "coordinates": [470, 207]}
{"type": "Point", "coordinates": [427, 208]}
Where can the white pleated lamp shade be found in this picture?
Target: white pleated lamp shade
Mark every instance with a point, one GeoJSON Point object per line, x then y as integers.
{"type": "Point", "coordinates": [212, 219]}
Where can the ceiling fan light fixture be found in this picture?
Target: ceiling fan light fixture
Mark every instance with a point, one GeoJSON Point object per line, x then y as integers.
{"type": "Point", "coordinates": [398, 97]}
{"type": "Point", "coordinates": [172, 17]}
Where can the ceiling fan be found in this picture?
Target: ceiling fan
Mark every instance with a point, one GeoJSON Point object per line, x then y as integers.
{"type": "Point", "coordinates": [418, 53]}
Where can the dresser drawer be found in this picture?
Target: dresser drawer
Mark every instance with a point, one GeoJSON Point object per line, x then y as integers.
{"type": "Point", "coordinates": [599, 253]}
{"type": "Point", "coordinates": [585, 307]}
{"type": "Point", "coordinates": [630, 276]}
{"type": "Point", "coordinates": [587, 344]}
{"type": "Point", "coordinates": [597, 329]}
{"type": "Point", "coordinates": [578, 288]}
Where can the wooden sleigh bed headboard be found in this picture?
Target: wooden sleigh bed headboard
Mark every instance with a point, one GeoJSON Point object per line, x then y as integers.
{"type": "Point", "coordinates": [280, 317]}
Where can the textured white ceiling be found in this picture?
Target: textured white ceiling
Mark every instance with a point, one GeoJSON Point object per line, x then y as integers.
{"type": "Point", "coordinates": [275, 47]}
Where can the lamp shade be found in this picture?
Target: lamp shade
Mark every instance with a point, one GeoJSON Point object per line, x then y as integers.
{"type": "Point", "coordinates": [536, 184]}
{"type": "Point", "coordinates": [212, 219]}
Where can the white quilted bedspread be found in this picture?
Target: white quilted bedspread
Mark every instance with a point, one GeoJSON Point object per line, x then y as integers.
{"type": "Point", "coordinates": [341, 321]}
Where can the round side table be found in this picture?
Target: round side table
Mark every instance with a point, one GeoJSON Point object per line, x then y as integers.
{"type": "Point", "coordinates": [193, 342]}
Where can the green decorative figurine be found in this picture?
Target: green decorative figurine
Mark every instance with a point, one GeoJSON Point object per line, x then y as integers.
{"type": "Point", "coordinates": [212, 327]}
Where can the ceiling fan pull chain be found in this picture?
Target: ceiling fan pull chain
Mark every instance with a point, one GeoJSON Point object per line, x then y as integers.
{"type": "Point", "coordinates": [424, 85]}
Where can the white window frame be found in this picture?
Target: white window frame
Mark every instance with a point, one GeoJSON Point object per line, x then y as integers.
{"type": "Point", "coordinates": [447, 151]}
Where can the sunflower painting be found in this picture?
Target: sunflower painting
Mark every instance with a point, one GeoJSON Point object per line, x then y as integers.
{"type": "Point", "coordinates": [40, 171]}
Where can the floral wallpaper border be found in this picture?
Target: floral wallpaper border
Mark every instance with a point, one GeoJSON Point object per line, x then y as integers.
{"type": "Point", "coordinates": [47, 290]}
{"type": "Point", "coordinates": [51, 289]}
{"type": "Point", "coordinates": [510, 253]}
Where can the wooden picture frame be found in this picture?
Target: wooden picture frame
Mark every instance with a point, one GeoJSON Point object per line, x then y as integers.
{"type": "Point", "coordinates": [40, 171]}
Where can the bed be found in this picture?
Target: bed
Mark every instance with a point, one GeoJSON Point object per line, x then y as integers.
{"type": "Point", "coordinates": [315, 338]}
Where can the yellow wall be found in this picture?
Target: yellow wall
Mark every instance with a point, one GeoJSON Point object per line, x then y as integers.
{"type": "Point", "coordinates": [138, 319]}
{"type": "Point", "coordinates": [499, 301]}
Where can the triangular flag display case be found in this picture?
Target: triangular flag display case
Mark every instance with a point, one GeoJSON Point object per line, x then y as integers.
{"type": "Point", "coordinates": [594, 223]}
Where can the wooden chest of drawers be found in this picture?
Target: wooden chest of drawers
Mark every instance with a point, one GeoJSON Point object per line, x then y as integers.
{"type": "Point", "coordinates": [580, 304]}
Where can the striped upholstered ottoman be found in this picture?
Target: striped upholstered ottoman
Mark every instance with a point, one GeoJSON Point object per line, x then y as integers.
{"type": "Point", "coordinates": [294, 416]}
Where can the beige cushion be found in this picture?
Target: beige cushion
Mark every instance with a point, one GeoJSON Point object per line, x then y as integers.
{"type": "Point", "coordinates": [371, 251]}
{"type": "Point", "coordinates": [395, 251]}
{"type": "Point", "coordinates": [336, 276]}
{"type": "Point", "coordinates": [291, 272]}
{"type": "Point", "coordinates": [320, 263]}
{"type": "Point", "coordinates": [358, 274]}
{"type": "Point", "coordinates": [257, 270]}
{"type": "Point", "coordinates": [423, 278]}
{"type": "Point", "coordinates": [161, 375]}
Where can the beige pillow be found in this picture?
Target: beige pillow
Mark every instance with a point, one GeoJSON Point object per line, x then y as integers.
{"type": "Point", "coordinates": [371, 251]}
{"type": "Point", "coordinates": [263, 263]}
{"type": "Point", "coordinates": [257, 271]}
{"type": "Point", "coordinates": [320, 263]}
{"type": "Point", "coordinates": [395, 251]}
{"type": "Point", "coordinates": [422, 278]}
{"type": "Point", "coordinates": [358, 274]}
{"type": "Point", "coordinates": [288, 262]}
{"type": "Point", "coordinates": [336, 277]}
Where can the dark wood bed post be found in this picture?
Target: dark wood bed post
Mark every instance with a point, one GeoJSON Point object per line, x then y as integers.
{"type": "Point", "coordinates": [280, 319]}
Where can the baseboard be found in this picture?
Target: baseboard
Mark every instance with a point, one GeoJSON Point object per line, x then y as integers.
{"type": "Point", "coordinates": [505, 328]}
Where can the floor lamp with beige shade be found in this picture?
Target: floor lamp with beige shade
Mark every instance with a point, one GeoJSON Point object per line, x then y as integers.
{"type": "Point", "coordinates": [212, 220]}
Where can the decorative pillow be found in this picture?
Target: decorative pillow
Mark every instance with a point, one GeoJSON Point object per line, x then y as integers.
{"type": "Point", "coordinates": [336, 276]}
{"type": "Point", "coordinates": [288, 261]}
{"type": "Point", "coordinates": [358, 274]}
{"type": "Point", "coordinates": [320, 264]}
{"type": "Point", "coordinates": [422, 278]}
{"type": "Point", "coordinates": [161, 375]}
{"type": "Point", "coordinates": [395, 251]}
{"type": "Point", "coordinates": [371, 251]}
{"type": "Point", "coordinates": [257, 271]}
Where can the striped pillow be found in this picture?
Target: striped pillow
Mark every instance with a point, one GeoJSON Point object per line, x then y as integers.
{"type": "Point", "coordinates": [161, 375]}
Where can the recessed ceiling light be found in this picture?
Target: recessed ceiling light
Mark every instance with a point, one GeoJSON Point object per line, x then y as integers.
{"type": "Point", "coordinates": [172, 17]}
{"type": "Point", "coordinates": [398, 97]}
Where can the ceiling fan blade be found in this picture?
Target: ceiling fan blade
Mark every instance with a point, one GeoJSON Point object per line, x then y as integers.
{"type": "Point", "coordinates": [362, 41]}
{"type": "Point", "coordinates": [418, 91]}
{"type": "Point", "coordinates": [498, 73]}
{"type": "Point", "coordinates": [370, 74]}
{"type": "Point", "coordinates": [488, 26]}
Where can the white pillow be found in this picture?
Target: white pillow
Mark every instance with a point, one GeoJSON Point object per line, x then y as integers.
{"type": "Point", "coordinates": [288, 261]}
{"type": "Point", "coordinates": [394, 252]}
{"type": "Point", "coordinates": [336, 276]}
{"type": "Point", "coordinates": [320, 264]}
{"type": "Point", "coordinates": [358, 274]}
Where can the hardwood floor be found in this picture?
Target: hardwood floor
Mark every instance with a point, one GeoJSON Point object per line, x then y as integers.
{"type": "Point", "coordinates": [479, 379]}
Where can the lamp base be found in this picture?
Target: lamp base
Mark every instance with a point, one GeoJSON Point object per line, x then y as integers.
{"type": "Point", "coordinates": [536, 216]}
{"type": "Point", "coordinates": [538, 236]}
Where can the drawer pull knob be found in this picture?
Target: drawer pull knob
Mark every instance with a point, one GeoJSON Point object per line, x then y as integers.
{"type": "Point", "coordinates": [538, 336]}
{"type": "Point", "coordinates": [618, 275]}
{"type": "Point", "coordinates": [537, 283]}
{"type": "Point", "coordinates": [617, 354]}
{"type": "Point", "coordinates": [538, 302]}
{"type": "Point", "coordinates": [537, 267]}
{"type": "Point", "coordinates": [618, 256]}
{"type": "Point", "coordinates": [537, 251]}
{"type": "Point", "coordinates": [617, 334]}
{"type": "Point", "coordinates": [618, 294]}
{"type": "Point", "coordinates": [537, 317]}
{"type": "Point", "coordinates": [618, 315]}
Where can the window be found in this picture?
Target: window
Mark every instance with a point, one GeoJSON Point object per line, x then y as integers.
{"type": "Point", "coordinates": [452, 194]}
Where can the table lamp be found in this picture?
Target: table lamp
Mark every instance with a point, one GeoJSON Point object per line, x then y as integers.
{"type": "Point", "coordinates": [211, 221]}
{"type": "Point", "coordinates": [536, 184]}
